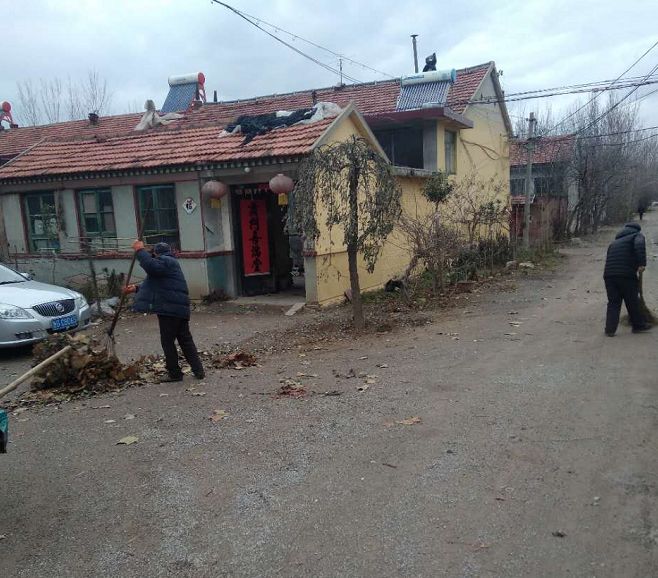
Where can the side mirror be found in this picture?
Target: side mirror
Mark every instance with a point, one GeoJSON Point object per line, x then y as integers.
{"type": "Point", "coordinates": [28, 276]}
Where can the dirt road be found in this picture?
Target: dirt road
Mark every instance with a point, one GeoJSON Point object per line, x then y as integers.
{"type": "Point", "coordinates": [535, 455]}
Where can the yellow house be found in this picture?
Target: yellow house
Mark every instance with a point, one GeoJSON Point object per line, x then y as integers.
{"type": "Point", "coordinates": [101, 180]}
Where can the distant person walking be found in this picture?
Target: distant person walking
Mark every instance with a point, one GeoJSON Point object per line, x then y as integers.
{"type": "Point", "coordinates": [640, 211]}
{"type": "Point", "coordinates": [164, 292]}
{"type": "Point", "coordinates": [626, 258]}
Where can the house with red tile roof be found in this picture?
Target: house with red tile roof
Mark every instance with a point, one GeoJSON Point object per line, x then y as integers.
{"type": "Point", "coordinates": [554, 192]}
{"type": "Point", "coordinates": [102, 180]}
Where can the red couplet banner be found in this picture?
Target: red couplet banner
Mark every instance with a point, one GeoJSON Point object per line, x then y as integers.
{"type": "Point", "coordinates": [255, 240]}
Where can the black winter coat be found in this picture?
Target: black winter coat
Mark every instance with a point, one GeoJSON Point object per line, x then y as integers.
{"type": "Point", "coordinates": [626, 253]}
{"type": "Point", "coordinates": [164, 291]}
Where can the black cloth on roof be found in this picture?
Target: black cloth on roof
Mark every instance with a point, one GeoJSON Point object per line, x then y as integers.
{"type": "Point", "coordinates": [626, 253]}
{"type": "Point", "coordinates": [253, 125]}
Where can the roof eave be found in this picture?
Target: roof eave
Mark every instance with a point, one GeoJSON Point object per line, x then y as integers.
{"type": "Point", "coordinates": [437, 113]}
{"type": "Point", "coordinates": [140, 171]}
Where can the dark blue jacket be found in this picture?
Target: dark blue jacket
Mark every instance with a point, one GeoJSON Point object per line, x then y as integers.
{"type": "Point", "coordinates": [164, 291]}
{"type": "Point", "coordinates": [626, 253]}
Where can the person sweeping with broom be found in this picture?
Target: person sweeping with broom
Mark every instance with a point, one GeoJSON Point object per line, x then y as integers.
{"type": "Point", "coordinates": [624, 265]}
{"type": "Point", "coordinates": [164, 292]}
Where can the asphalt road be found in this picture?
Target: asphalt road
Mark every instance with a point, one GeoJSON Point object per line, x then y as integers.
{"type": "Point", "coordinates": [535, 455]}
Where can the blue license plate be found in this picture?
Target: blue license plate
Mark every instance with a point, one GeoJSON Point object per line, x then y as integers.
{"type": "Point", "coordinates": [64, 323]}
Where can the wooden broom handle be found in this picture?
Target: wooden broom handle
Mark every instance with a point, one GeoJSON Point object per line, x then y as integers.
{"type": "Point", "coordinates": [36, 369]}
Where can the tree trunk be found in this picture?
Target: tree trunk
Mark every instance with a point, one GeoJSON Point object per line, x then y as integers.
{"type": "Point", "coordinates": [353, 251]}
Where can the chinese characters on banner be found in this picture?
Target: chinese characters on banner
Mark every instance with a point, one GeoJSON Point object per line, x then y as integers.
{"type": "Point", "coordinates": [255, 244]}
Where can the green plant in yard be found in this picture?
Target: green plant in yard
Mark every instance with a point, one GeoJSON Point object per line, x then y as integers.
{"type": "Point", "coordinates": [438, 188]}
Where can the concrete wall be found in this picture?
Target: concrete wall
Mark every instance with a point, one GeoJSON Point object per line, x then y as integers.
{"type": "Point", "coordinates": [13, 216]}
{"type": "Point", "coordinates": [125, 214]}
{"type": "Point", "coordinates": [69, 233]}
{"type": "Point", "coordinates": [190, 225]}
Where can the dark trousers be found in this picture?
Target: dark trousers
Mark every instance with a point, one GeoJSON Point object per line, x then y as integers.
{"type": "Point", "coordinates": [174, 329]}
{"type": "Point", "coordinates": [628, 290]}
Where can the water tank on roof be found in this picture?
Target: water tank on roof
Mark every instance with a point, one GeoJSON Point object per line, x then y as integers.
{"type": "Point", "coordinates": [187, 79]}
{"type": "Point", "coordinates": [432, 76]}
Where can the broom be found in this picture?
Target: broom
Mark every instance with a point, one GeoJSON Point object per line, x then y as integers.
{"type": "Point", "coordinates": [648, 315]}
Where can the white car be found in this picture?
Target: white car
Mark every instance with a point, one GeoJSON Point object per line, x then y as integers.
{"type": "Point", "coordinates": [30, 311]}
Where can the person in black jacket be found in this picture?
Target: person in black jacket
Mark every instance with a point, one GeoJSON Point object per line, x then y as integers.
{"type": "Point", "coordinates": [164, 292]}
{"type": "Point", "coordinates": [627, 256]}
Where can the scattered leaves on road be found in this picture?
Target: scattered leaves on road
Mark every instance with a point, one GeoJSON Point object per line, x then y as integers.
{"type": "Point", "coordinates": [218, 415]}
{"type": "Point", "coordinates": [291, 389]}
{"type": "Point", "coordinates": [558, 534]}
{"type": "Point", "coordinates": [410, 421]}
{"type": "Point", "coordinates": [237, 360]}
{"type": "Point", "coordinates": [128, 440]}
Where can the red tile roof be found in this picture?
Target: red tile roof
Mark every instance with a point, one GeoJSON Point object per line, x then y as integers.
{"type": "Point", "coordinates": [369, 99]}
{"type": "Point", "coordinates": [468, 81]}
{"type": "Point", "coordinates": [160, 147]}
{"type": "Point", "coordinates": [548, 149]}
{"type": "Point", "coordinates": [16, 140]}
{"type": "Point", "coordinates": [111, 144]}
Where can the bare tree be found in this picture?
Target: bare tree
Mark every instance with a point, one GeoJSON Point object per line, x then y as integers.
{"type": "Point", "coordinates": [477, 206]}
{"type": "Point", "coordinates": [29, 112]}
{"type": "Point", "coordinates": [51, 99]}
{"type": "Point", "coordinates": [56, 100]}
{"type": "Point", "coordinates": [605, 164]}
{"type": "Point", "coordinates": [94, 93]}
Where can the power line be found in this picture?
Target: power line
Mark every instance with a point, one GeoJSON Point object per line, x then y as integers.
{"type": "Point", "coordinates": [301, 53]}
{"type": "Point", "coordinates": [545, 93]}
{"type": "Point", "coordinates": [600, 93]}
{"type": "Point", "coordinates": [614, 106]}
{"type": "Point", "coordinates": [309, 42]}
{"type": "Point", "coordinates": [609, 144]}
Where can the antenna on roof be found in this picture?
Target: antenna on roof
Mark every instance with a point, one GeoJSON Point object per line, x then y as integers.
{"type": "Point", "coordinates": [413, 41]}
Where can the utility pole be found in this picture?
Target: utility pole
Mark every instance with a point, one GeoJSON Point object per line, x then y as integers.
{"type": "Point", "coordinates": [413, 40]}
{"type": "Point", "coordinates": [340, 62]}
{"type": "Point", "coordinates": [528, 180]}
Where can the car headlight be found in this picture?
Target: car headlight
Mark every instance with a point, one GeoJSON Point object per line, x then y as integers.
{"type": "Point", "coordinates": [81, 300]}
{"type": "Point", "coordinates": [13, 312]}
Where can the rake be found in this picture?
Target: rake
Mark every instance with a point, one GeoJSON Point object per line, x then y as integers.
{"type": "Point", "coordinates": [110, 342]}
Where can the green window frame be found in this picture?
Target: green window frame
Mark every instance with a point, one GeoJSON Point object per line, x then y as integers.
{"type": "Point", "coordinates": [450, 144]}
{"type": "Point", "coordinates": [161, 219]}
{"type": "Point", "coordinates": [41, 219]}
{"type": "Point", "coordinates": [97, 215]}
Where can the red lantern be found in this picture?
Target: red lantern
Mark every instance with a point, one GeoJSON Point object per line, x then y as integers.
{"type": "Point", "coordinates": [215, 189]}
{"type": "Point", "coordinates": [281, 184]}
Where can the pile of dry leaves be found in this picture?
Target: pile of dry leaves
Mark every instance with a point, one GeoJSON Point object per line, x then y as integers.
{"type": "Point", "coordinates": [235, 360]}
{"type": "Point", "coordinates": [87, 367]}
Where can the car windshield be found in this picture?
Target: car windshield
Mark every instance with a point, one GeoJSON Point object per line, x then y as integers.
{"type": "Point", "coordinates": [8, 276]}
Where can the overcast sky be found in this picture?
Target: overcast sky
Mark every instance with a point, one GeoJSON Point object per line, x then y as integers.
{"type": "Point", "coordinates": [137, 44]}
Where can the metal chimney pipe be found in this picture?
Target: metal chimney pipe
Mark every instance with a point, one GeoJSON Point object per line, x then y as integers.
{"type": "Point", "coordinates": [413, 40]}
